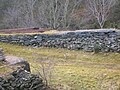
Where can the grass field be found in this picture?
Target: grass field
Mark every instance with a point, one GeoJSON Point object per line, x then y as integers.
{"type": "Point", "coordinates": [72, 70]}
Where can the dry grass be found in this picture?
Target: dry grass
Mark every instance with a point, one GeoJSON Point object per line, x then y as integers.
{"type": "Point", "coordinates": [73, 70]}
{"type": "Point", "coordinates": [46, 32]}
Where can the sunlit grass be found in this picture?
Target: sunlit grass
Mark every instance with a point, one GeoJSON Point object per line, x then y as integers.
{"type": "Point", "coordinates": [76, 69]}
{"type": "Point", "coordinates": [46, 32]}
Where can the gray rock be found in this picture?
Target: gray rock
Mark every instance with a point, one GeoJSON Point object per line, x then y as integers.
{"type": "Point", "coordinates": [109, 40]}
{"type": "Point", "coordinates": [12, 60]}
{"type": "Point", "coordinates": [2, 57]}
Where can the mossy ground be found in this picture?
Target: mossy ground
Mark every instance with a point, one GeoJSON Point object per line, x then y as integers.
{"type": "Point", "coordinates": [73, 70]}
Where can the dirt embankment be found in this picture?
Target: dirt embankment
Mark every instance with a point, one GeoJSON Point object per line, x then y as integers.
{"type": "Point", "coordinates": [22, 30]}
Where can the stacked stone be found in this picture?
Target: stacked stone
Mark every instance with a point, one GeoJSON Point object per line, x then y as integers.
{"type": "Point", "coordinates": [22, 80]}
{"type": "Point", "coordinates": [92, 41]}
{"type": "Point", "coordinates": [2, 57]}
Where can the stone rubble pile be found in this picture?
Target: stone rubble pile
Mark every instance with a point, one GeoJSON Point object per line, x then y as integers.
{"type": "Point", "coordinates": [2, 57]}
{"type": "Point", "coordinates": [22, 80]}
{"type": "Point", "coordinates": [102, 41]}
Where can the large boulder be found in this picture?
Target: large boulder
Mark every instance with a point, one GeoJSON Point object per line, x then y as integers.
{"type": "Point", "coordinates": [13, 60]}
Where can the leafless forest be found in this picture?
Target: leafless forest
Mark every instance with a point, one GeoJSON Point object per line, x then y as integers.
{"type": "Point", "coordinates": [60, 14]}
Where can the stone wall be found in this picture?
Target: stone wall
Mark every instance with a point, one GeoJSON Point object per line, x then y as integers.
{"type": "Point", "coordinates": [100, 40]}
{"type": "Point", "coordinates": [2, 57]}
{"type": "Point", "coordinates": [21, 80]}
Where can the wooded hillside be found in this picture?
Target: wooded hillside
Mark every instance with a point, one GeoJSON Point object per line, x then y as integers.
{"type": "Point", "coordinates": [60, 14]}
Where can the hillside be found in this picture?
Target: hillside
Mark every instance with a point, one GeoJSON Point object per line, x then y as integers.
{"type": "Point", "coordinates": [60, 14]}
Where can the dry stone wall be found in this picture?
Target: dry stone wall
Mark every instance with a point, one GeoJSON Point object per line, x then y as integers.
{"type": "Point", "coordinates": [2, 57]}
{"type": "Point", "coordinates": [101, 40]}
{"type": "Point", "coordinates": [22, 80]}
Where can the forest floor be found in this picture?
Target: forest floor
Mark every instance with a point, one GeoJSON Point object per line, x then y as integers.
{"type": "Point", "coordinates": [70, 69]}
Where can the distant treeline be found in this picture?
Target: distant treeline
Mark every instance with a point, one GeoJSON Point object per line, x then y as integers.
{"type": "Point", "coordinates": [60, 14]}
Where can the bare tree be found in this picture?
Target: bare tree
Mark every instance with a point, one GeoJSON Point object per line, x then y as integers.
{"type": "Point", "coordinates": [100, 9]}
{"type": "Point", "coordinates": [53, 14]}
{"type": "Point", "coordinates": [20, 14]}
{"type": "Point", "coordinates": [28, 11]}
{"type": "Point", "coordinates": [11, 15]}
{"type": "Point", "coordinates": [45, 70]}
{"type": "Point", "coordinates": [57, 13]}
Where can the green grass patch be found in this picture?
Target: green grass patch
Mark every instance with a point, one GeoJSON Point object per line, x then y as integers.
{"type": "Point", "coordinates": [74, 70]}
